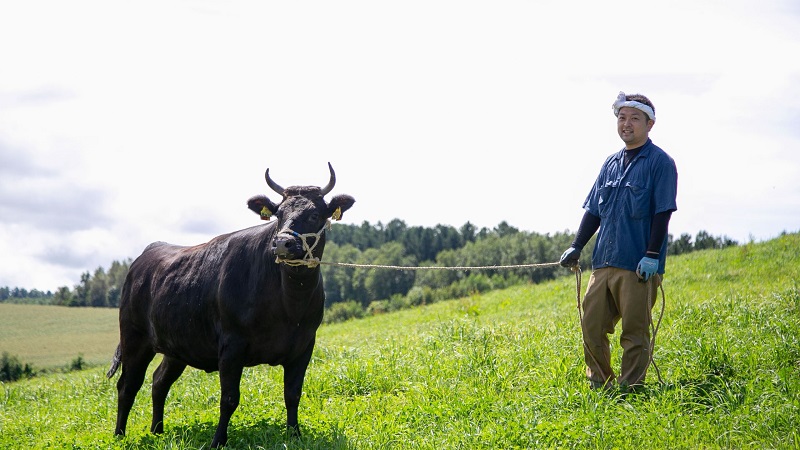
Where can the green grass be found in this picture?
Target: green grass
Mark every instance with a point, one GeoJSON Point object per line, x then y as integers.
{"type": "Point", "coordinates": [500, 370]}
{"type": "Point", "coordinates": [52, 336]}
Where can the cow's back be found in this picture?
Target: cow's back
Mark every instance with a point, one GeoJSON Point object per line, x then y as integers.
{"type": "Point", "coordinates": [169, 298]}
{"type": "Point", "coordinates": [187, 300]}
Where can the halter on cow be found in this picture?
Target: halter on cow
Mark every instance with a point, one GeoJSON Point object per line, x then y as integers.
{"type": "Point", "coordinates": [242, 299]}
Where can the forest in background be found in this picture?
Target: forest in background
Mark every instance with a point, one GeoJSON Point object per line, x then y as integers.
{"type": "Point", "coordinates": [355, 291]}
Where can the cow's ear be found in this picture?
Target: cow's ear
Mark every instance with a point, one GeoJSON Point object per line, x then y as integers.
{"type": "Point", "coordinates": [262, 206]}
{"type": "Point", "coordinates": [338, 205]}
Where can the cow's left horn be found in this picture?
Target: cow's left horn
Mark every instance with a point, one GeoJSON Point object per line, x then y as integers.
{"type": "Point", "coordinates": [331, 183]}
{"type": "Point", "coordinates": [275, 186]}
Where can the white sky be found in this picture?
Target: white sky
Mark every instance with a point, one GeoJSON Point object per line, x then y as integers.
{"type": "Point", "coordinates": [123, 123]}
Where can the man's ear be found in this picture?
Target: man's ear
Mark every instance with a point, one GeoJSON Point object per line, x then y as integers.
{"type": "Point", "coordinates": [262, 206]}
{"type": "Point", "coordinates": [338, 205]}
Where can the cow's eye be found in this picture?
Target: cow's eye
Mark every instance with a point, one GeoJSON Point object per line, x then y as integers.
{"type": "Point", "coordinates": [314, 217]}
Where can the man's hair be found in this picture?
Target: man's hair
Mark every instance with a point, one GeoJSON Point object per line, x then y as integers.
{"type": "Point", "coordinates": [641, 99]}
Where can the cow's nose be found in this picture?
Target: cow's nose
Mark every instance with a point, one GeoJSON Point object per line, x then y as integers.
{"type": "Point", "coordinates": [283, 246]}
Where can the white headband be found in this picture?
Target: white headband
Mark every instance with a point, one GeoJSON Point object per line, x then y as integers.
{"type": "Point", "coordinates": [621, 103]}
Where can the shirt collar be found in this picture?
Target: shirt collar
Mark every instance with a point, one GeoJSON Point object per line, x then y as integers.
{"type": "Point", "coordinates": [645, 150]}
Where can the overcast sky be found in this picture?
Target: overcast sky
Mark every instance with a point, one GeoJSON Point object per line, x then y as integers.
{"type": "Point", "coordinates": [123, 123]}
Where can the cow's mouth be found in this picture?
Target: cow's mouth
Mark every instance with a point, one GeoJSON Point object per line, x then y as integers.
{"type": "Point", "coordinates": [295, 262]}
{"type": "Point", "coordinates": [295, 252]}
{"type": "Point", "coordinates": [287, 248]}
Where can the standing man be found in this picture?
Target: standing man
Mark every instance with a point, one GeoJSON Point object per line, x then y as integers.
{"type": "Point", "coordinates": [630, 203]}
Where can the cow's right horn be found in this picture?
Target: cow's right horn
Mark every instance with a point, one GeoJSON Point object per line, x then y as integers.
{"type": "Point", "coordinates": [275, 186]}
{"type": "Point", "coordinates": [331, 183]}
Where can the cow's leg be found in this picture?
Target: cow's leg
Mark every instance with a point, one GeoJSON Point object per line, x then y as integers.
{"type": "Point", "coordinates": [230, 375]}
{"type": "Point", "coordinates": [293, 375]}
{"type": "Point", "coordinates": [167, 372]}
{"type": "Point", "coordinates": [136, 356]}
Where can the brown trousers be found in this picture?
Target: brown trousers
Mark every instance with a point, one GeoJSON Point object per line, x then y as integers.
{"type": "Point", "coordinates": [614, 294]}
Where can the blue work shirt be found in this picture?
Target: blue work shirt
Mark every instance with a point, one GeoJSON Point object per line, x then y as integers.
{"type": "Point", "coordinates": [626, 201]}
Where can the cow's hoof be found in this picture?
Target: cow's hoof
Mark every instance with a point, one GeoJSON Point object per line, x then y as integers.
{"type": "Point", "coordinates": [218, 442]}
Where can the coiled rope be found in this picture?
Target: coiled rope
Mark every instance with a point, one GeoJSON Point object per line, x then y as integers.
{"type": "Point", "coordinates": [653, 328]}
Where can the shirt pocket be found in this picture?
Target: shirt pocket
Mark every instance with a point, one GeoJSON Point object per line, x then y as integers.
{"type": "Point", "coordinates": [604, 200]}
{"type": "Point", "coordinates": [638, 199]}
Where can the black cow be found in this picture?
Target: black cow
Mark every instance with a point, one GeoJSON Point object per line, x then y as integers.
{"type": "Point", "coordinates": [239, 300]}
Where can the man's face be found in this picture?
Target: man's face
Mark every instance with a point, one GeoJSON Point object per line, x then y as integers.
{"type": "Point", "coordinates": [633, 127]}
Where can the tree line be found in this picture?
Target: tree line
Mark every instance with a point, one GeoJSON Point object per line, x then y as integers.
{"type": "Point", "coordinates": [354, 291]}
{"type": "Point", "coordinates": [101, 289]}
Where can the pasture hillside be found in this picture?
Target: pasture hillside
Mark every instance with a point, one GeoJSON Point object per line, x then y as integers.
{"type": "Point", "coordinates": [499, 370]}
{"type": "Point", "coordinates": [52, 336]}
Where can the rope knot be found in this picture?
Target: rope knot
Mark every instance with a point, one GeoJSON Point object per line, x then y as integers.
{"type": "Point", "coordinates": [309, 259]}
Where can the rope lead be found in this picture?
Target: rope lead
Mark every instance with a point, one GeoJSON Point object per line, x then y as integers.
{"type": "Point", "coordinates": [311, 261]}
{"type": "Point", "coordinates": [378, 266]}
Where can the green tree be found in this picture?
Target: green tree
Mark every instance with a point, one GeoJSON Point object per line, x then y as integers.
{"type": "Point", "coordinates": [395, 230]}
{"type": "Point", "coordinates": [339, 285]}
{"type": "Point", "coordinates": [682, 245]}
{"type": "Point", "coordinates": [98, 289]}
{"type": "Point", "coordinates": [704, 241]}
{"type": "Point", "coordinates": [116, 279]}
{"type": "Point", "coordinates": [447, 238]}
{"type": "Point", "coordinates": [468, 232]}
{"type": "Point", "coordinates": [504, 229]}
{"type": "Point", "coordinates": [80, 295]}
{"type": "Point", "coordinates": [63, 297]}
{"type": "Point", "coordinates": [380, 284]}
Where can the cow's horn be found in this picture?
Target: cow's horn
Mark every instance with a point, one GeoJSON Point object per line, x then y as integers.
{"type": "Point", "coordinates": [331, 183]}
{"type": "Point", "coordinates": [275, 186]}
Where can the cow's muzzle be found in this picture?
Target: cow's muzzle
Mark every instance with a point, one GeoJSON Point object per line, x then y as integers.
{"type": "Point", "coordinates": [287, 247]}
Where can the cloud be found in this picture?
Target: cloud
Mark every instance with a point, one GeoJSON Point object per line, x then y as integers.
{"type": "Point", "coordinates": [46, 206]}
{"type": "Point", "coordinates": [112, 137]}
{"type": "Point", "coordinates": [40, 195]}
{"type": "Point", "coordinates": [203, 226]}
{"type": "Point", "coordinates": [41, 95]}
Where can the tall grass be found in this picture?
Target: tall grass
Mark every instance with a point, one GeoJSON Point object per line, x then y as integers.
{"type": "Point", "coordinates": [500, 370]}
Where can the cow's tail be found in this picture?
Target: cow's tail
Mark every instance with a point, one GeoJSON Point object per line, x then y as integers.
{"type": "Point", "coordinates": [115, 362]}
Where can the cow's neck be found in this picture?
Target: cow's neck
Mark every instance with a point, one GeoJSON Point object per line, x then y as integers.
{"type": "Point", "coordinates": [300, 290]}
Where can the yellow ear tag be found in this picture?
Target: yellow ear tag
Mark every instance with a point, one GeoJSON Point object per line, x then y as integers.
{"type": "Point", "coordinates": [265, 213]}
{"type": "Point", "coordinates": [337, 215]}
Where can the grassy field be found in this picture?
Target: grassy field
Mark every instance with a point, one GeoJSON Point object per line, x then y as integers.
{"type": "Point", "coordinates": [500, 370]}
{"type": "Point", "coordinates": [52, 336]}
